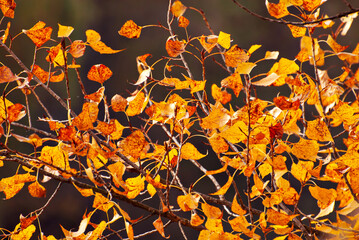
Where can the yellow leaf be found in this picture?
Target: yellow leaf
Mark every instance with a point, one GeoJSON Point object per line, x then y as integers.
{"type": "Point", "coordinates": [136, 104]}
{"type": "Point", "coordinates": [117, 170]}
{"type": "Point", "coordinates": [233, 82]}
{"type": "Point", "coordinates": [219, 95]}
{"type": "Point", "coordinates": [218, 144]}
{"type": "Point", "coordinates": [278, 10]}
{"type": "Point", "coordinates": [224, 39]}
{"type": "Point", "coordinates": [196, 220]}
{"type": "Point", "coordinates": [55, 156]}
{"type": "Point", "coordinates": [24, 234]}
{"type": "Point", "coordinates": [37, 190]}
{"type": "Point", "coordinates": [214, 225]}
{"type": "Point", "coordinates": [235, 133]}
{"type": "Point", "coordinates": [297, 31]}
{"type": "Point", "coordinates": [102, 203]}
{"type": "Point", "coordinates": [245, 67]}
{"type": "Point", "coordinates": [134, 145]}
{"type": "Point", "coordinates": [178, 9]}
{"type": "Point", "coordinates": [234, 56]}
{"type": "Point", "coordinates": [135, 186]}
{"type": "Point", "coordinates": [86, 192]}
{"type": "Point", "coordinates": [239, 224]}
{"type": "Point", "coordinates": [220, 170]}
{"type": "Point", "coordinates": [217, 118]}
{"type": "Point", "coordinates": [300, 170]}
{"type": "Point", "coordinates": [236, 208]}
{"type": "Point", "coordinates": [253, 48]}
{"type": "Point", "coordinates": [211, 212]}
{"type": "Point", "coordinates": [64, 31]}
{"type": "Point", "coordinates": [318, 130]}
{"type": "Point", "coordinates": [129, 230]}
{"type": "Point", "coordinates": [97, 232]}
{"type": "Point", "coordinates": [99, 73]}
{"type": "Point", "coordinates": [12, 185]}
{"type": "Point", "coordinates": [188, 202]}
{"type": "Point", "coordinates": [94, 39]}
{"type": "Point", "coordinates": [279, 218]}
{"type": "Point", "coordinates": [306, 149]}
{"type": "Point", "coordinates": [324, 196]}
{"type": "Point", "coordinates": [188, 151]}
{"type": "Point", "coordinates": [224, 188]}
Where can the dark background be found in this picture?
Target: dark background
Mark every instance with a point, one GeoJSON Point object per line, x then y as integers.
{"type": "Point", "coordinates": [107, 17]}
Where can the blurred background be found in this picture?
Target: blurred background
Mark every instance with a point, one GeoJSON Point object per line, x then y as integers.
{"type": "Point", "coordinates": [106, 17]}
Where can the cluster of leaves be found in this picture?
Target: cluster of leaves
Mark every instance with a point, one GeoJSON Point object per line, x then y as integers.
{"type": "Point", "coordinates": [280, 149]}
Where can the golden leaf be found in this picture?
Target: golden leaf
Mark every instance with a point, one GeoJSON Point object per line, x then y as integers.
{"type": "Point", "coordinates": [211, 212]}
{"type": "Point", "coordinates": [135, 186]}
{"type": "Point", "coordinates": [188, 202]}
{"type": "Point", "coordinates": [234, 56]}
{"type": "Point", "coordinates": [158, 224]}
{"type": "Point", "coordinates": [208, 42]}
{"type": "Point", "coordinates": [235, 133]}
{"type": "Point", "coordinates": [239, 224]}
{"type": "Point", "coordinates": [118, 103]}
{"type": "Point", "coordinates": [86, 192]}
{"type": "Point", "coordinates": [136, 104]}
{"type": "Point", "coordinates": [306, 149]}
{"type": "Point", "coordinates": [37, 190]}
{"type": "Point", "coordinates": [135, 145]}
{"type": "Point", "coordinates": [96, 96]}
{"type": "Point", "coordinates": [188, 151]}
{"type": "Point", "coordinates": [24, 234]}
{"type": "Point", "coordinates": [278, 10]}
{"type": "Point", "coordinates": [102, 203]}
{"type": "Point", "coordinates": [324, 196]}
{"type": "Point", "coordinates": [219, 95]}
{"type": "Point", "coordinates": [214, 225]}
{"type": "Point", "coordinates": [217, 117]}
{"type": "Point", "coordinates": [64, 31]}
{"type": "Point", "coordinates": [183, 22]}
{"type": "Point", "coordinates": [130, 30]}
{"type": "Point", "coordinates": [38, 33]}
{"type": "Point", "coordinates": [310, 5]}
{"type": "Point", "coordinates": [278, 218]}
{"type": "Point", "coordinates": [88, 116]}
{"type": "Point", "coordinates": [178, 9]}
{"type": "Point", "coordinates": [7, 7]}
{"type": "Point", "coordinates": [44, 76]}
{"type": "Point", "coordinates": [224, 39]}
{"type": "Point", "coordinates": [77, 48]}
{"type": "Point", "coordinates": [224, 188]}
{"type": "Point", "coordinates": [236, 208]}
{"type": "Point", "coordinates": [297, 31]}
{"type": "Point", "coordinates": [337, 48]}
{"type": "Point", "coordinates": [300, 170]}
{"type": "Point", "coordinates": [56, 157]}
{"type": "Point", "coordinates": [94, 39]}
{"type": "Point", "coordinates": [196, 220]}
{"type": "Point", "coordinates": [12, 185]}
{"type": "Point", "coordinates": [233, 82]}
{"type": "Point", "coordinates": [218, 144]}
{"type": "Point", "coordinates": [318, 130]}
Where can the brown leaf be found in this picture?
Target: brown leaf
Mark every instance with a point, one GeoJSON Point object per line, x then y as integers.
{"type": "Point", "coordinates": [6, 75]}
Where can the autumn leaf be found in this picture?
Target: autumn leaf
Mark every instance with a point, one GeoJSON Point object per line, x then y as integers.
{"type": "Point", "coordinates": [94, 39]}
{"type": "Point", "coordinates": [318, 130]}
{"type": "Point", "coordinates": [277, 10]}
{"type": "Point", "coordinates": [300, 170]}
{"type": "Point", "coordinates": [208, 42]}
{"type": "Point", "coordinates": [37, 190]}
{"type": "Point", "coordinates": [224, 188]}
{"type": "Point", "coordinates": [39, 34]}
{"type": "Point", "coordinates": [284, 103]}
{"type": "Point", "coordinates": [188, 202]}
{"type": "Point", "coordinates": [178, 9]}
{"type": "Point", "coordinates": [278, 218]}
{"type": "Point", "coordinates": [6, 75]}
{"type": "Point", "coordinates": [211, 212]}
{"type": "Point", "coordinates": [224, 39]}
{"type": "Point", "coordinates": [64, 31]}
{"type": "Point", "coordinates": [99, 73]}
{"type": "Point", "coordinates": [130, 30]}
{"type": "Point", "coordinates": [118, 103]}
{"type": "Point", "coordinates": [217, 118]}
{"type": "Point", "coordinates": [188, 151]}
{"type": "Point", "coordinates": [135, 186]}
{"type": "Point", "coordinates": [12, 185]}
{"type": "Point", "coordinates": [297, 31]}
{"type": "Point", "coordinates": [324, 196]}
{"type": "Point", "coordinates": [306, 149]}
{"type": "Point", "coordinates": [234, 56]}
{"type": "Point", "coordinates": [44, 76]}
{"type": "Point", "coordinates": [233, 82]}
{"type": "Point", "coordinates": [24, 234]}
{"type": "Point", "coordinates": [15, 112]}
{"type": "Point", "coordinates": [55, 156]}
{"type": "Point", "coordinates": [158, 224]}
{"type": "Point", "coordinates": [218, 144]}
{"type": "Point", "coordinates": [77, 48]}
{"type": "Point", "coordinates": [219, 95]}
{"type": "Point", "coordinates": [134, 145]}
{"type": "Point", "coordinates": [174, 47]}
{"type": "Point", "coordinates": [84, 121]}
{"type": "Point", "coordinates": [8, 8]}
{"type": "Point", "coordinates": [311, 5]}
{"type": "Point", "coordinates": [136, 104]}
{"type": "Point", "coordinates": [183, 22]}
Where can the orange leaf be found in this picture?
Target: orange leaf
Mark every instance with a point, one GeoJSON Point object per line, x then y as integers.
{"type": "Point", "coordinates": [27, 221]}
{"type": "Point", "coordinates": [106, 128]}
{"type": "Point", "coordinates": [217, 117]}
{"type": "Point", "coordinates": [130, 30]}
{"type": "Point", "coordinates": [276, 131]}
{"type": "Point", "coordinates": [188, 202]}
{"type": "Point", "coordinates": [37, 190]}
{"type": "Point", "coordinates": [278, 10]}
{"type": "Point", "coordinates": [219, 95]}
{"type": "Point", "coordinates": [183, 22]}
{"type": "Point", "coordinates": [208, 42]}
{"type": "Point", "coordinates": [77, 48]}
{"type": "Point", "coordinates": [211, 212]}
{"type": "Point", "coordinates": [117, 170]}
{"type": "Point", "coordinates": [220, 170]}
{"type": "Point", "coordinates": [135, 186]}
{"type": "Point", "coordinates": [297, 31]}
{"type": "Point", "coordinates": [55, 156]}
{"type": "Point", "coordinates": [218, 144]}
{"type": "Point", "coordinates": [118, 103]}
{"type": "Point", "coordinates": [94, 39]}
{"type": "Point", "coordinates": [318, 130]}
{"type": "Point", "coordinates": [234, 56]}
{"type": "Point", "coordinates": [7, 7]}
{"type": "Point", "coordinates": [24, 234]}
{"type": "Point", "coordinates": [64, 31]}
{"type": "Point", "coordinates": [136, 104]}
{"type": "Point", "coordinates": [324, 196]}
{"type": "Point", "coordinates": [102, 203]}
{"type": "Point", "coordinates": [279, 218]}
{"type": "Point", "coordinates": [233, 82]}
{"type": "Point", "coordinates": [236, 208]}
{"type": "Point", "coordinates": [44, 76]}
{"type": "Point", "coordinates": [239, 224]}
{"type": "Point", "coordinates": [96, 96]}
{"type": "Point", "coordinates": [175, 47]}
{"type": "Point", "coordinates": [300, 170]}
{"type": "Point", "coordinates": [12, 185]}
{"type": "Point", "coordinates": [284, 103]}
{"type": "Point", "coordinates": [214, 225]}
{"type": "Point", "coordinates": [159, 227]}
{"type": "Point", "coordinates": [306, 149]}
{"type": "Point", "coordinates": [38, 33]}
{"type": "Point", "coordinates": [196, 220]}
{"type": "Point", "coordinates": [15, 112]}
{"type": "Point", "coordinates": [86, 192]}
{"type": "Point", "coordinates": [178, 9]}
{"type": "Point", "coordinates": [6, 75]}
{"type": "Point", "coordinates": [134, 145]}
{"type": "Point", "coordinates": [310, 5]}
{"type": "Point", "coordinates": [224, 188]}
{"type": "Point", "coordinates": [188, 151]}
{"type": "Point", "coordinates": [129, 230]}
{"type": "Point", "coordinates": [99, 73]}
{"type": "Point", "coordinates": [88, 116]}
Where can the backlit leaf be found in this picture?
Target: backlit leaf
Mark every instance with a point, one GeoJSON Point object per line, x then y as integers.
{"type": "Point", "coordinates": [24, 234]}
{"type": "Point", "coordinates": [130, 30]}
{"type": "Point", "coordinates": [217, 118]}
{"type": "Point", "coordinates": [136, 104]}
{"type": "Point", "coordinates": [224, 39]}
{"type": "Point", "coordinates": [233, 82]}
{"type": "Point", "coordinates": [134, 145]}
{"type": "Point", "coordinates": [99, 73]}
{"type": "Point", "coordinates": [15, 112]}
{"type": "Point", "coordinates": [224, 188]}
{"type": "Point", "coordinates": [218, 143]}
{"type": "Point", "coordinates": [300, 170]}
{"type": "Point", "coordinates": [234, 56]}
{"type": "Point", "coordinates": [306, 149]}
{"type": "Point", "coordinates": [64, 31]}
{"type": "Point", "coordinates": [196, 220]}
{"type": "Point", "coordinates": [37, 190]}
{"type": "Point", "coordinates": [183, 22]}
{"type": "Point", "coordinates": [277, 10]}
{"type": "Point", "coordinates": [235, 133]}
{"type": "Point", "coordinates": [39, 34]}
{"type": "Point", "coordinates": [214, 225]}
{"type": "Point", "coordinates": [159, 227]}
{"type": "Point", "coordinates": [77, 48]}
{"type": "Point", "coordinates": [188, 151]}
{"type": "Point", "coordinates": [297, 31]}
{"type": "Point", "coordinates": [208, 42]}
{"type": "Point", "coordinates": [12, 185]}
{"type": "Point", "coordinates": [324, 196]}
{"type": "Point", "coordinates": [188, 202]}
{"type": "Point", "coordinates": [7, 7]}
{"type": "Point", "coordinates": [44, 76]}
{"type": "Point", "coordinates": [211, 212]}
{"type": "Point", "coordinates": [94, 39]}
{"type": "Point", "coordinates": [102, 203]}
{"type": "Point", "coordinates": [135, 186]}
{"type": "Point", "coordinates": [278, 218]}
{"type": "Point", "coordinates": [219, 95]}
{"type": "Point", "coordinates": [337, 48]}
{"type": "Point", "coordinates": [118, 103]}
{"type": "Point", "coordinates": [318, 130]}
{"type": "Point", "coordinates": [55, 156]}
{"type": "Point", "coordinates": [84, 121]}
